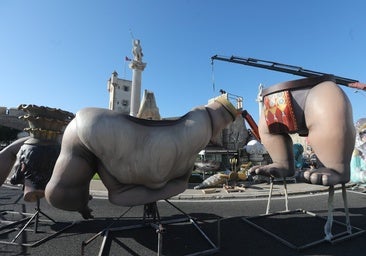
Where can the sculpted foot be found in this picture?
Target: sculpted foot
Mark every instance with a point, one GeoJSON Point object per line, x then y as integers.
{"type": "Point", "coordinates": [272, 170]}
{"type": "Point", "coordinates": [325, 176]}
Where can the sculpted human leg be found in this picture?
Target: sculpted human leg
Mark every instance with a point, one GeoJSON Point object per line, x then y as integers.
{"type": "Point", "coordinates": [68, 188]}
{"type": "Point", "coordinates": [279, 147]}
{"type": "Point", "coordinates": [328, 115]}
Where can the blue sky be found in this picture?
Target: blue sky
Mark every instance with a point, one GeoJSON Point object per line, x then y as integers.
{"type": "Point", "coordinates": [61, 53]}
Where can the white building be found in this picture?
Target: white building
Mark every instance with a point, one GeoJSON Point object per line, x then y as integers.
{"type": "Point", "coordinates": [119, 93]}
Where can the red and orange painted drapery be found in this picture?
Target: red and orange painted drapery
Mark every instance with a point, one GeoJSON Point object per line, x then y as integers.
{"type": "Point", "coordinates": [279, 112]}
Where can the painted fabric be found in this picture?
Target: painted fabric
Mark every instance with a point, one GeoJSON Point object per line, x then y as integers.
{"type": "Point", "coordinates": [34, 165]}
{"type": "Point", "coordinates": [358, 160]}
{"type": "Point", "coordinates": [279, 113]}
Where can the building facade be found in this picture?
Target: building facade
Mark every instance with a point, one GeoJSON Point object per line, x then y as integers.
{"type": "Point", "coordinates": [119, 94]}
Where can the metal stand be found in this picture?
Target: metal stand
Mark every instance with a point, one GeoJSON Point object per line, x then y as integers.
{"type": "Point", "coordinates": [30, 219]}
{"type": "Point", "coordinates": [329, 237]}
{"type": "Point", "coordinates": [151, 218]}
{"type": "Point", "coordinates": [270, 195]}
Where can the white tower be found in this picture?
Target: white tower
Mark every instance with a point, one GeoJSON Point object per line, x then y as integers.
{"type": "Point", "coordinates": [137, 67]}
{"type": "Point", "coordinates": [119, 94]}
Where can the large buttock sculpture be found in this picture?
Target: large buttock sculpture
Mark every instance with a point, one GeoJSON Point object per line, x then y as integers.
{"type": "Point", "coordinates": [315, 107]}
{"type": "Point", "coordinates": [139, 161]}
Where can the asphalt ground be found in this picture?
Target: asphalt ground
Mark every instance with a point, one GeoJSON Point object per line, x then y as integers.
{"type": "Point", "coordinates": [220, 218]}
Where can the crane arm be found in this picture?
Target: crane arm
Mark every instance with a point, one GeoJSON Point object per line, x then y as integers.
{"type": "Point", "coordinates": [275, 66]}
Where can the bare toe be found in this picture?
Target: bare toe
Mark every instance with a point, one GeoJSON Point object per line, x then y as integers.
{"type": "Point", "coordinates": [324, 176]}
{"type": "Point", "coordinates": [272, 170]}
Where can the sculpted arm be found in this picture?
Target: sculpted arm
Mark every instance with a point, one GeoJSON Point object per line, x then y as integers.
{"type": "Point", "coordinates": [68, 188]}
{"type": "Point", "coordinates": [138, 161]}
{"type": "Point", "coordinates": [132, 194]}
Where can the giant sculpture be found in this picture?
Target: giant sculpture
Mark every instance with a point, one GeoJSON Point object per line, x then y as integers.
{"type": "Point", "coordinates": [139, 161]}
{"type": "Point", "coordinates": [32, 159]}
{"type": "Point", "coordinates": [315, 107]}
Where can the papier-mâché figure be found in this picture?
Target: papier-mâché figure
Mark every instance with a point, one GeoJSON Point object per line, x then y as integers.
{"type": "Point", "coordinates": [32, 159]}
{"type": "Point", "coordinates": [315, 107]}
{"type": "Point", "coordinates": [139, 161]}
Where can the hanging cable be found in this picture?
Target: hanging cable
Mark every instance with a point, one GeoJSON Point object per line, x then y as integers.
{"type": "Point", "coordinates": [213, 76]}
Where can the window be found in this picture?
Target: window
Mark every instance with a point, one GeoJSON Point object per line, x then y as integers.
{"type": "Point", "coordinates": [125, 88]}
{"type": "Point", "coordinates": [125, 102]}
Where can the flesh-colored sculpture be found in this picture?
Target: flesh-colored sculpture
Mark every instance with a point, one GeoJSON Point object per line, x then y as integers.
{"type": "Point", "coordinates": [139, 161]}
{"type": "Point", "coordinates": [314, 107]}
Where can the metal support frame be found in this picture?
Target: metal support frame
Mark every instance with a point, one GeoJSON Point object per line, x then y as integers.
{"type": "Point", "coordinates": [329, 237]}
{"type": "Point", "coordinates": [270, 195]}
{"type": "Point", "coordinates": [151, 218]}
{"type": "Point", "coordinates": [29, 220]}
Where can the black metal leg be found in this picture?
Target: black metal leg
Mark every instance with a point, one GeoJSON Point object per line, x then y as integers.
{"type": "Point", "coordinates": [32, 218]}
{"type": "Point", "coordinates": [151, 217]}
{"type": "Point", "coordinates": [329, 237]}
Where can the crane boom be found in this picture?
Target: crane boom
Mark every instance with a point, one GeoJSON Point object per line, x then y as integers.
{"type": "Point", "coordinates": [275, 66]}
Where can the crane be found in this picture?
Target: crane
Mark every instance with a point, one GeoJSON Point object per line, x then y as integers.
{"type": "Point", "coordinates": [275, 66]}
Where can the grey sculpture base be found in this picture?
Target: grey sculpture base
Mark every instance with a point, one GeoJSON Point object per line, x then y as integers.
{"type": "Point", "coordinates": [336, 237]}
{"type": "Point", "coordinates": [350, 231]}
{"type": "Point", "coordinates": [151, 211]}
{"type": "Point", "coordinates": [24, 225]}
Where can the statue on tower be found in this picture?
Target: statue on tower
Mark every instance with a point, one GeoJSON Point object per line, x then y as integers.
{"type": "Point", "coordinates": [137, 50]}
{"type": "Point", "coordinates": [137, 67]}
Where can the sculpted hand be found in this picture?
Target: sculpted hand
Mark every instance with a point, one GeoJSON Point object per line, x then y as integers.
{"type": "Point", "coordinates": [86, 212]}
